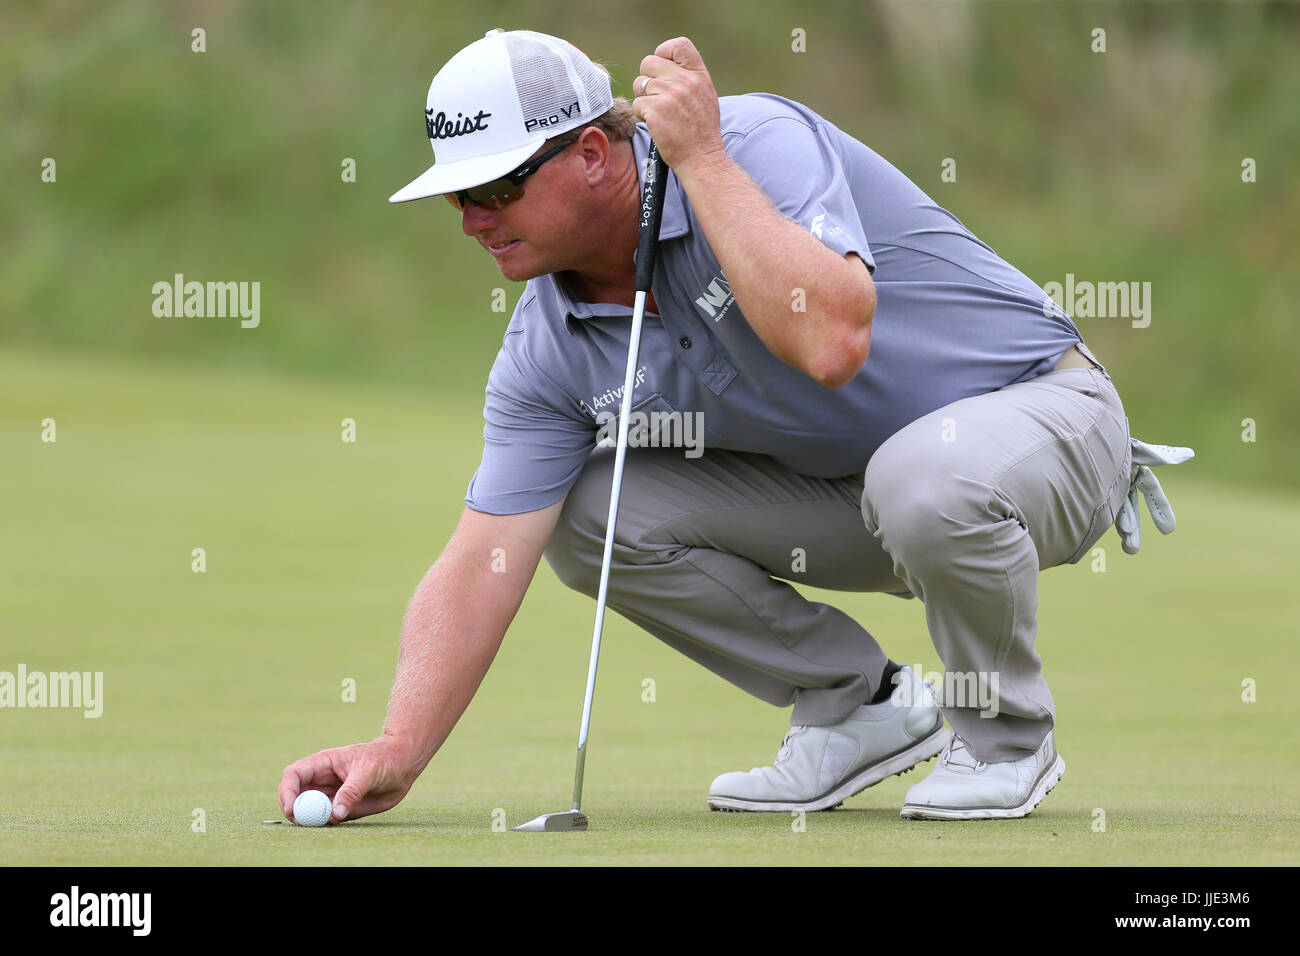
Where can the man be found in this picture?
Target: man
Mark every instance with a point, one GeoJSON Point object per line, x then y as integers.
{"type": "Point", "coordinates": [886, 406]}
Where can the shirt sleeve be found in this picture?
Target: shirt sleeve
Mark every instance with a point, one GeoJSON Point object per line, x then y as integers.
{"type": "Point", "coordinates": [798, 168]}
{"type": "Point", "coordinates": [532, 453]}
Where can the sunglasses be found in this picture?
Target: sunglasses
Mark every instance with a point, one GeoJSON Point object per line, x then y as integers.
{"type": "Point", "coordinates": [503, 191]}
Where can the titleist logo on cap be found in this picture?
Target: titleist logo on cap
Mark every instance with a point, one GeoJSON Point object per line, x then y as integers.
{"type": "Point", "coordinates": [439, 127]}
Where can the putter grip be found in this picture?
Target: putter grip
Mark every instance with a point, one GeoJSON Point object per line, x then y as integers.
{"type": "Point", "coordinates": [652, 207]}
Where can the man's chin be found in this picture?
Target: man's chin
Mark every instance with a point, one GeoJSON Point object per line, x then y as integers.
{"type": "Point", "coordinates": [518, 271]}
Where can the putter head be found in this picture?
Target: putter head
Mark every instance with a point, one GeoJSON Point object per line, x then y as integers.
{"type": "Point", "coordinates": [565, 822]}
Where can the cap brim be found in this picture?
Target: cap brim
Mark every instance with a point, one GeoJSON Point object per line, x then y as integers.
{"type": "Point", "coordinates": [467, 173]}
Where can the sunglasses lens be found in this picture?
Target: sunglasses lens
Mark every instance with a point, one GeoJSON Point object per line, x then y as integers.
{"type": "Point", "coordinates": [495, 194]}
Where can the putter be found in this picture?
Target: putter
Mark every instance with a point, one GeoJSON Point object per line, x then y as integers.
{"type": "Point", "coordinates": [647, 246]}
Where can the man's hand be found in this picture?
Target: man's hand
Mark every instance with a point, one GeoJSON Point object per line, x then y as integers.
{"type": "Point", "coordinates": [679, 104]}
{"type": "Point", "coordinates": [360, 780]}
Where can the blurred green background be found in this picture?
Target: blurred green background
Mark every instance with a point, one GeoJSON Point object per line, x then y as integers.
{"type": "Point", "coordinates": [1115, 166]}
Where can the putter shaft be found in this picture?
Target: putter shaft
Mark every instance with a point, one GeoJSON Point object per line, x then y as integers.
{"type": "Point", "coordinates": [620, 453]}
{"type": "Point", "coordinates": [652, 204]}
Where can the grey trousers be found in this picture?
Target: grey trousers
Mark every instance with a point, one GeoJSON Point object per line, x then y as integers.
{"type": "Point", "coordinates": [962, 508]}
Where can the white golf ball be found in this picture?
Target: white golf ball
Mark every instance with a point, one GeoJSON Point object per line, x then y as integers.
{"type": "Point", "coordinates": [312, 809]}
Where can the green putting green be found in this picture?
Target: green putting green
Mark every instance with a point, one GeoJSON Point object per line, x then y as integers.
{"type": "Point", "coordinates": [214, 681]}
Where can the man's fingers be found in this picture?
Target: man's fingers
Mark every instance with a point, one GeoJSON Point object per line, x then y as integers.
{"type": "Point", "coordinates": [681, 51]}
{"type": "Point", "coordinates": [657, 68]}
{"type": "Point", "coordinates": [373, 803]}
{"type": "Point", "coordinates": [650, 84]}
{"type": "Point", "coordinates": [317, 772]}
{"type": "Point", "coordinates": [361, 779]}
{"type": "Point", "coordinates": [671, 56]}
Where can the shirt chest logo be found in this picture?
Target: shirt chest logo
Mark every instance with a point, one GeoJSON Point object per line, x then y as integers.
{"type": "Point", "coordinates": [717, 299]}
{"type": "Point", "coordinates": [819, 227]}
{"type": "Point", "coordinates": [612, 396]}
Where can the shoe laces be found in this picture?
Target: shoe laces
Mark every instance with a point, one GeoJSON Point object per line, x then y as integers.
{"type": "Point", "coordinates": [967, 759]}
{"type": "Point", "coordinates": [783, 754]}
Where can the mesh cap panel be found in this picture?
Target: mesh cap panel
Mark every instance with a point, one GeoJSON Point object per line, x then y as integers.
{"type": "Point", "coordinates": [558, 87]}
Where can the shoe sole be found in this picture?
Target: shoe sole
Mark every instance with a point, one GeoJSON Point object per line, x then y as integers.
{"type": "Point", "coordinates": [894, 765]}
{"type": "Point", "coordinates": [1046, 783]}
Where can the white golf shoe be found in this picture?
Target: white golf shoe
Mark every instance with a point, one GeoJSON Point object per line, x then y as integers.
{"type": "Point", "coordinates": [818, 767]}
{"type": "Point", "coordinates": [963, 788]}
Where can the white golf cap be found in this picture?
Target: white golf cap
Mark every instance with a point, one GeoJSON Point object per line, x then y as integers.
{"type": "Point", "coordinates": [496, 101]}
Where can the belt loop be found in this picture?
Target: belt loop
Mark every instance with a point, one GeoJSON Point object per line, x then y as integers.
{"type": "Point", "coordinates": [1090, 357]}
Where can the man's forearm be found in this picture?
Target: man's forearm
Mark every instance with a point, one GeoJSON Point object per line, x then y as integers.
{"type": "Point", "coordinates": [767, 257]}
{"type": "Point", "coordinates": [452, 631]}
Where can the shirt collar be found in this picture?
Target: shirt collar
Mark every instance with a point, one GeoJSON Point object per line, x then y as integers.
{"type": "Point", "coordinates": [558, 297]}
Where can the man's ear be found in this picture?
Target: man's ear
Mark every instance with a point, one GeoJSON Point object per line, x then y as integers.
{"type": "Point", "coordinates": [596, 151]}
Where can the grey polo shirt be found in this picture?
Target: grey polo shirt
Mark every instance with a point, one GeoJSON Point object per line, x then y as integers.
{"type": "Point", "coordinates": [952, 320]}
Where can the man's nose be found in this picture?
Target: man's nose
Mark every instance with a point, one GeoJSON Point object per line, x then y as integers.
{"type": "Point", "coordinates": [475, 219]}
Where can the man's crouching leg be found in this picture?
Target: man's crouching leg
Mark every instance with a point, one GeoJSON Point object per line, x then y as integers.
{"type": "Point", "coordinates": [697, 551]}
{"type": "Point", "coordinates": [971, 502]}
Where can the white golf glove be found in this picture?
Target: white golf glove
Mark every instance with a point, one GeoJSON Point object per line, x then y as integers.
{"type": "Point", "coordinates": [1143, 479]}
